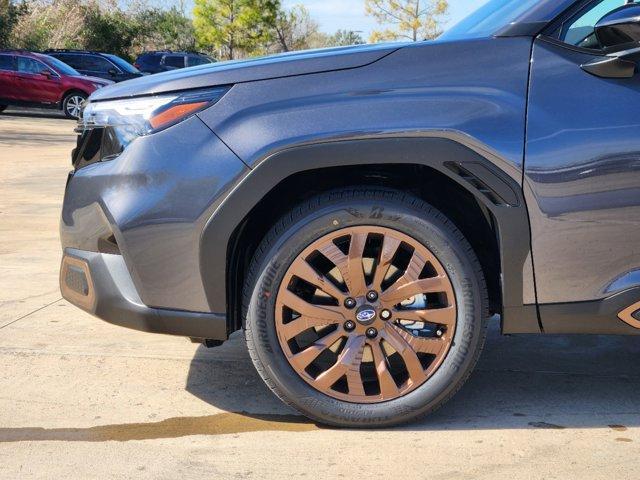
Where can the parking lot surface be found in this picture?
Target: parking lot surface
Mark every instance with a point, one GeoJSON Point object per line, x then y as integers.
{"type": "Point", "coordinates": [81, 399]}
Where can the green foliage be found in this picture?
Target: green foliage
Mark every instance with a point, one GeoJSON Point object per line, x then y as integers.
{"type": "Point", "coordinates": [235, 28]}
{"type": "Point", "coordinates": [111, 31]}
{"type": "Point", "coordinates": [227, 28]}
{"type": "Point", "coordinates": [10, 13]}
{"type": "Point", "coordinates": [166, 29]}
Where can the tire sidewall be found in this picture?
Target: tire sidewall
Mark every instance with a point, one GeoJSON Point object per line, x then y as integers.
{"type": "Point", "coordinates": [66, 100]}
{"type": "Point", "coordinates": [424, 224]}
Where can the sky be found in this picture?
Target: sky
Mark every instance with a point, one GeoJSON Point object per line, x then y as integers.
{"type": "Point", "coordinates": [349, 14]}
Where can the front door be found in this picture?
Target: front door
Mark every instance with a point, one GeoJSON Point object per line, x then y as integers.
{"type": "Point", "coordinates": [32, 85]}
{"type": "Point", "coordinates": [582, 169]}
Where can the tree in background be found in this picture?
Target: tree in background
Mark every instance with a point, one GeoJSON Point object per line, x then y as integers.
{"type": "Point", "coordinates": [295, 29]}
{"type": "Point", "coordinates": [123, 28]}
{"type": "Point", "coordinates": [165, 29]}
{"type": "Point", "coordinates": [343, 38]}
{"type": "Point", "coordinates": [50, 24]}
{"type": "Point", "coordinates": [226, 28]}
{"type": "Point", "coordinates": [235, 28]}
{"type": "Point", "coordinates": [409, 19]}
{"type": "Point", "coordinates": [10, 13]}
{"type": "Point", "coordinates": [111, 30]}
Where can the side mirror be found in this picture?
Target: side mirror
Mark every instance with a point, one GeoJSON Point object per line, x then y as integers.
{"type": "Point", "coordinates": [112, 71]}
{"type": "Point", "coordinates": [618, 34]}
{"type": "Point", "coordinates": [620, 29]}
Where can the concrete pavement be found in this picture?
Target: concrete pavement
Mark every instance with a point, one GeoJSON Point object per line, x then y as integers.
{"type": "Point", "coordinates": [81, 399]}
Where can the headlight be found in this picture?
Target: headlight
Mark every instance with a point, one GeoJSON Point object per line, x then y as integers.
{"type": "Point", "coordinates": [146, 115]}
{"type": "Point", "coordinates": [107, 127]}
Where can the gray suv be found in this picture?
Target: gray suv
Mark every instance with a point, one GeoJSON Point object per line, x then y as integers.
{"type": "Point", "coordinates": [361, 212]}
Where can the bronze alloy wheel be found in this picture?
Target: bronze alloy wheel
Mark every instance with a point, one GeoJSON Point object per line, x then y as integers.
{"type": "Point", "coordinates": [365, 314]}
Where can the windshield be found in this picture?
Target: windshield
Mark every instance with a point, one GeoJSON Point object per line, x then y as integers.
{"type": "Point", "coordinates": [124, 66]}
{"type": "Point", "coordinates": [61, 67]}
{"type": "Point", "coordinates": [488, 19]}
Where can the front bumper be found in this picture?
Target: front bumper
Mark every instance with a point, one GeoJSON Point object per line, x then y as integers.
{"type": "Point", "coordinates": [130, 231]}
{"type": "Point", "coordinates": [100, 284]}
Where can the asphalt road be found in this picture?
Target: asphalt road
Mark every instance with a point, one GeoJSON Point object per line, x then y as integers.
{"type": "Point", "coordinates": [81, 399]}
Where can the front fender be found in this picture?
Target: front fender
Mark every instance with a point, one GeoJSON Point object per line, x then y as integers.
{"type": "Point", "coordinates": [461, 162]}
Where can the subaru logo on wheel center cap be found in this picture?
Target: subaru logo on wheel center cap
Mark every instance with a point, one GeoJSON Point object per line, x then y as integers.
{"type": "Point", "coordinates": [366, 314]}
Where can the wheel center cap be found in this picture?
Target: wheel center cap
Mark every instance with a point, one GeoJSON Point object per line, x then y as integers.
{"type": "Point", "coordinates": [366, 314]}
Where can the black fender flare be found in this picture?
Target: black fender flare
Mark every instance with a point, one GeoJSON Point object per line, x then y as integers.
{"type": "Point", "coordinates": [473, 167]}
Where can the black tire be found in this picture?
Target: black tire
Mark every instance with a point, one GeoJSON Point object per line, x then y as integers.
{"type": "Point", "coordinates": [70, 106]}
{"type": "Point", "coordinates": [3, 108]}
{"type": "Point", "coordinates": [364, 206]}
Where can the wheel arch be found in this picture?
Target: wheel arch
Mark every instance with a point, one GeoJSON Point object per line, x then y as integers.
{"type": "Point", "coordinates": [426, 166]}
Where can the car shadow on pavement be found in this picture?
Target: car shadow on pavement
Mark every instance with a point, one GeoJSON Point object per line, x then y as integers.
{"type": "Point", "coordinates": [534, 381]}
{"type": "Point", "coordinates": [35, 113]}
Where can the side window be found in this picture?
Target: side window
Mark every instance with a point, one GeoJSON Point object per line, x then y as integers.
{"type": "Point", "coordinates": [97, 64]}
{"type": "Point", "coordinates": [29, 65]}
{"type": "Point", "coordinates": [74, 61]}
{"type": "Point", "coordinates": [579, 30]}
{"type": "Point", "coordinates": [174, 61]}
{"type": "Point", "coordinates": [6, 62]}
{"type": "Point", "coordinates": [149, 60]}
{"type": "Point", "coordinates": [194, 60]}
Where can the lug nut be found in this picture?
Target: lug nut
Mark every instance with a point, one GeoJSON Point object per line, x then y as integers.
{"type": "Point", "coordinates": [385, 314]}
{"type": "Point", "coordinates": [439, 332]}
{"type": "Point", "coordinates": [371, 332]}
{"type": "Point", "coordinates": [372, 296]}
{"type": "Point", "coordinates": [350, 303]}
{"type": "Point", "coordinates": [349, 325]}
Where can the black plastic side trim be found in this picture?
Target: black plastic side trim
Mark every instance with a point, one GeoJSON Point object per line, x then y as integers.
{"type": "Point", "coordinates": [595, 317]}
{"type": "Point", "coordinates": [435, 152]}
{"type": "Point", "coordinates": [486, 182]}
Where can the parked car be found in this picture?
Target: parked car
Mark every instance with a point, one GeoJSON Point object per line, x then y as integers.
{"type": "Point", "coordinates": [34, 79]}
{"type": "Point", "coordinates": [362, 212]}
{"type": "Point", "coordinates": [97, 64]}
{"type": "Point", "coordinates": [162, 61]}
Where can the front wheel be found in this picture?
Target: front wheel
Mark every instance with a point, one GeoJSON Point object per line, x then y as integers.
{"type": "Point", "coordinates": [365, 307]}
{"type": "Point", "coordinates": [72, 104]}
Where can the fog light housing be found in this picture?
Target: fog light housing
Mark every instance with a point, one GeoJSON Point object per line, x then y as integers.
{"type": "Point", "coordinates": [76, 284]}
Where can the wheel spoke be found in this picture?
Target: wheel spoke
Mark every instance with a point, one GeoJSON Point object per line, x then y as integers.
{"type": "Point", "coordinates": [350, 266]}
{"type": "Point", "coordinates": [409, 356]}
{"type": "Point", "coordinates": [387, 252]}
{"type": "Point", "coordinates": [441, 316]}
{"type": "Point", "coordinates": [300, 324]}
{"type": "Point", "coordinates": [348, 364]}
{"type": "Point", "coordinates": [303, 270]}
{"type": "Point", "coordinates": [308, 310]}
{"type": "Point", "coordinates": [403, 289]}
{"type": "Point", "coordinates": [357, 283]}
{"type": "Point", "coordinates": [431, 345]}
{"type": "Point", "coordinates": [388, 387]}
{"type": "Point", "coordinates": [304, 358]}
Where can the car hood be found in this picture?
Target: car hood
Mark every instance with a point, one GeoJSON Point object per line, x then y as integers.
{"type": "Point", "coordinates": [263, 68]}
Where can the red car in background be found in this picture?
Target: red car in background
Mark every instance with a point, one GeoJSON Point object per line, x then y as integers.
{"type": "Point", "coordinates": [34, 79]}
